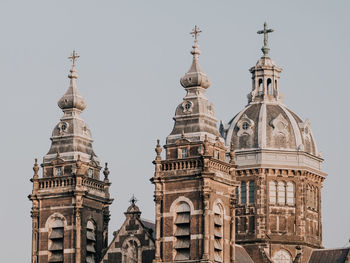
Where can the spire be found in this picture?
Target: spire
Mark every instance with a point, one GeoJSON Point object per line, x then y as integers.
{"type": "Point", "coordinates": [195, 75]}
{"type": "Point", "coordinates": [265, 49]}
{"type": "Point", "coordinates": [72, 98]}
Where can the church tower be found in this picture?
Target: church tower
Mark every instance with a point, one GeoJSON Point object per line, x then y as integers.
{"type": "Point", "coordinates": [70, 211]}
{"type": "Point", "coordinates": [194, 185]}
{"type": "Point", "coordinates": [278, 216]}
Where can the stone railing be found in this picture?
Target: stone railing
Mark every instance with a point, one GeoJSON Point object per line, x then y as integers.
{"type": "Point", "coordinates": [217, 165]}
{"type": "Point", "coordinates": [56, 182]}
{"type": "Point", "coordinates": [93, 183]}
{"type": "Point", "coordinates": [181, 164]}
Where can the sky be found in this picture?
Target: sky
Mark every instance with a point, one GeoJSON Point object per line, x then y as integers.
{"type": "Point", "coordinates": [132, 55]}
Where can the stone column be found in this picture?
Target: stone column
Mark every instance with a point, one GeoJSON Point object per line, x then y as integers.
{"type": "Point", "coordinates": [233, 228]}
{"type": "Point", "coordinates": [158, 201]}
{"type": "Point", "coordinates": [206, 236]}
{"type": "Point", "coordinates": [35, 232]}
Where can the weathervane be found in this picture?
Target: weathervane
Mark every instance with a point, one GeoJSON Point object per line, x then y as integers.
{"type": "Point", "coordinates": [74, 57]}
{"type": "Point", "coordinates": [266, 31]}
{"type": "Point", "coordinates": [195, 32]}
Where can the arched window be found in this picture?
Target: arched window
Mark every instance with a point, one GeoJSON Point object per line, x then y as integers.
{"type": "Point", "coordinates": [251, 192]}
{"type": "Point", "coordinates": [269, 86]}
{"type": "Point", "coordinates": [56, 241]}
{"type": "Point", "coordinates": [243, 193]}
{"type": "Point", "coordinates": [218, 233]}
{"type": "Point", "coordinates": [308, 195]}
{"type": "Point", "coordinates": [260, 86]}
{"type": "Point", "coordinates": [182, 231]}
{"type": "Point", "coordinates": [272, 192]}
{"type": "Point", "coordinates": [130, 251]}
{"type": "Point", "coordinates": [312, 193]}
{"type": "Point", "coordinates": [237, 193]}
{"type": "Point", "coordinates": [316, 198]}
{"type": "Point", "coordinates": [90, 242]}
{"type": "Point", "coordinates": [281, 193]}
{"type": "Point", "coordinates": [290, 193]}
{"type": "Point", "coordinates": [282, 256]}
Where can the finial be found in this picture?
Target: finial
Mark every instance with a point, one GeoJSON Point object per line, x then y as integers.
{"type": "Point", "coordinates": [58, 155]}
{"type": "Point", "coordinates": [158, 150]}
{"type": "Point", "coordinates": [36, 168]}
{"type": "Point", "coordinates": [195, 33]}
{"type": "Point", "coordinates": [106, 171]}
{"type": "Point", "coordinates": [133, 200]}
{"type": "Point", "coordinates": [74, 57]}
{"type": "Point", "coordinates": [206, 145]}
{"type": "Point", "coordinates": [79, 162]}
{"type": "Point", "coordinates": [265, 49]}
{"type": "Point", "coordinates": [183, 134]}
{"type": "Point", "coordinates": [232, 154]}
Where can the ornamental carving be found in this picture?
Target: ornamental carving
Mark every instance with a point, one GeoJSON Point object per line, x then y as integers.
{"type": "Point", "coordinates": [280, 125]}
{"type": "Point", "coordinates": [245, 126]}
{"type": "Point", "coordinates": [187, 106]}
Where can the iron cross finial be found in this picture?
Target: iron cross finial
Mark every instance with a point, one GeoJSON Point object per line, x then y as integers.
{"type": "Point", "coordinates": [74, 57]}
{"type": "Point", "coordinates": [266, 31]}
{"type": "Point", "coordinates": [133, 200]}
{"type": "Point", "coordinates": [195, 32]}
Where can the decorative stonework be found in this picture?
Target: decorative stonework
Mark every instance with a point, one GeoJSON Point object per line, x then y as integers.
{"type": "Point", "coordinates": [187, 106]}
{"type": "Point", "coordinates": [245, 126]}
{"type": "Point", "coordinates": [280, 125]}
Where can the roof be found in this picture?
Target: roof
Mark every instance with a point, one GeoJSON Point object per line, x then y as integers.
{"type": "Point", "coordinates": [338, 255]}
{"type": "Point", "coordinates": [149, 225]}
{"type": "Point", "coordinates": [242, 255]}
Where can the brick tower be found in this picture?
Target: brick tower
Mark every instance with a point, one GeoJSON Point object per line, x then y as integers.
{"type": "Point", "coordinates": [70, 211]}
{"type": "Point", "coordinates": [194, 185]}
{"type": "Point", "coordinates": [279, 167]}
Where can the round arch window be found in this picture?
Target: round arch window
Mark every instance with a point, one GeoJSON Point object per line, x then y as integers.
{"type": "Point", "coordinates": [245, 125]}
{"type": "Point", "coordinates": [282, 256]}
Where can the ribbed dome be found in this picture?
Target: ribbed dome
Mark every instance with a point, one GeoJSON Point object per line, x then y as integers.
{"type": "Point", "coordinates": [269, 126]}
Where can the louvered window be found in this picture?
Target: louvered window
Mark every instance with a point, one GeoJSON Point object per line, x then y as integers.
{"type": "Point", "coordinates": [182, 232]}
{"type": "Point", "coordinates": [272, 192]}
{"type": "Point", "coordinates": [90, 242]}
{"type": "Point", "coordinates": [56, 241]}
{"type": "Point", "coordinates": [218, 234]}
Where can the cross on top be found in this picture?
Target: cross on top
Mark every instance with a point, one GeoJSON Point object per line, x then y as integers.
{"type": "Point", "coordinates": [195, 32]}
{"type": "Point", "coordinates": [266, 31]}
{"type": "Point", "coordinates": [74, 57]}
{"type": "Point", "coordinates": [133, 200]}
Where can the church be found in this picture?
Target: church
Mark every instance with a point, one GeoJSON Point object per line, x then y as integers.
{"type": "Point", "coordinates": [248, 191]}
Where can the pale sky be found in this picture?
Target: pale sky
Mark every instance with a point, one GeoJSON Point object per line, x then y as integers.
{"type": "Point", "coordinates": [133, 54]}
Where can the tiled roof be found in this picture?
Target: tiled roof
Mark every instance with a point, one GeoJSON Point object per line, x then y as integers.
{"type": "Point", "coordinates": [242, 255]}
{"type": "Point", "coordinates": [329, 255]}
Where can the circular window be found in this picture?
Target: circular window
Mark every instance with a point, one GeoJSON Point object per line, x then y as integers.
{"type": "Point", "coordinates": [188, 105]}
{"type": "Point", "coordinates": [282, 256]}
{"type": "Point", "coordinates": [64, 127]}
{"type": "Point", "coordinates": [245, 126]}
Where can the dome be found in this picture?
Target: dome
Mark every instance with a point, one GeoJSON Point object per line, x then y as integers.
{"type": "Point", "coordinates": [272, 126]}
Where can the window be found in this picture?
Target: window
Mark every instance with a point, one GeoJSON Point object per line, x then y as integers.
{"type": "Point", "coordinates": [251, 192]}
{"type": "Point", "coordinates": [237, 193]}
{"type": "Point", "coordinates": [272, 192]}
{"type": "Point", "coordinates": [218, 233]}
{"type": "Point", "coordinates": [58, 171]}
{"type": "Point", "coordinates": [182, 232]}
{"type": "Point", "coordinates": [56, 241]}
{"type": "Point", "coordinates": [184, 153]}
{"type": "Point", "coordinates": [282, 256]}
{"type": "Point", "coordinates": [243, 193]}
{"type": "Point", "coordinates": [245, 125]}
{"type": "Point", "coordinates": [290, 193]}
{"type": "Point", "coordinates": [90, 242]}
{"type": "Point", "coordinates": [281, 193]}
{"type": "Point", "coordinates": [269, 86]}
{"type": "Point", "coordinates": [315, 198]}
{"type": "Point", "coordinates": [216, 154]}
{"type": "Point", "coordinates": [90, 172]}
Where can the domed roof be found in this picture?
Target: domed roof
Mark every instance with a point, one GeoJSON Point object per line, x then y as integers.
{"type": "Point", "coordinates": [266, 125]}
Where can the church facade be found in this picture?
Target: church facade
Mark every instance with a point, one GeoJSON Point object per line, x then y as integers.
{"type": "Point", "coordinates": [249, 191]}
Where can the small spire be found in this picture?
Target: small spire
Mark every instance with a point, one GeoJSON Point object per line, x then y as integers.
{"type": "Point", "coordinates": [206, 145]}
{"type": "Point", "coordinates": [79, 162]}
{"type": "Point", "coordinates": [158, 150]}
{"type": "Point", "coordinates": [265, 49]}
{"type": "Point", "coordinates": [232, 154]}
{"type": "Point", "coordinates": [36, 168]}
{"type": "Point", "coordinates": [195, 33]}
{"type": "Point", "coordinates": [106, 171]}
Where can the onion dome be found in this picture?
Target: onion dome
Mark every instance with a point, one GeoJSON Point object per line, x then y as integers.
{"type": "Point", "coordinates": [195, 117]}
{"type": "Point", "coordinates": [195, 75]}
{"type": "Point", "coordinates": [266, 123]}
{"type": "Point", "coordinates": [71, 137]}
{"type": "Point", "coordinates": [72, 98]}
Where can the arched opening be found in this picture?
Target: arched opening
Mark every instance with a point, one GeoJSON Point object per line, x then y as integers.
{"type": "Point", "coordinates": [90, 242]}
{"type": "Point", "coordinates": [269, 86]}
{"type": "Point", "coordinates": [56, 241]}
{"type": "Point", "coordinates": [243, 193]}
{"type": "Point", "coordinates": [281, 193]}
{"type": "Point", "coordinates": [272, 192]}
{"type": "Point", "coordinates": [290, 193]}
{"type": "Point", "coordinates": [251, 192]}
{"type": "Point", "coordinates": [182, 231]}
{"type": "Point", "coordinates": [260, 86]}
{"type": "Point", "coordinates": [218, 233]}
